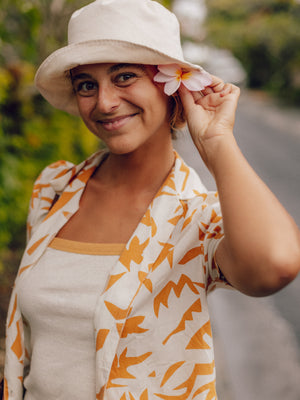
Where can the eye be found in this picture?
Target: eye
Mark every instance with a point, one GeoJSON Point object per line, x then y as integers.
{"type": "Point", "coordinates": [125, 78]}
{"type": "Point", "coordinates": [86, 88]}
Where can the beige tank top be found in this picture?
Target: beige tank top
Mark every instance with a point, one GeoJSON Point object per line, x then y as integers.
{"type": "Point", "coordinates": [57, 302]}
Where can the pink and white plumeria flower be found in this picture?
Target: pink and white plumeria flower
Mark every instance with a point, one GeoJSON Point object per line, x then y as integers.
{"type": "Point", "coordinates": [173, 76]}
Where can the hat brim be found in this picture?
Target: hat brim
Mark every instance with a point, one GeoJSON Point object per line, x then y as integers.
{"type": "Point", "coordinates": [53, 77]}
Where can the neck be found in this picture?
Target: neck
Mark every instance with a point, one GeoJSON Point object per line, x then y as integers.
{"type": "Point", "coordinates": [140, 170]}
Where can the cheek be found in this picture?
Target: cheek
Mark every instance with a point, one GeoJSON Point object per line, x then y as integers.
{"type": "Point", "coordinates": [162, 104]}
{"type": "Point", "coordinates": [84, 106]}
{"type": "Point", "coordinates": [80, 104]}
{"type": "Point", "coordinates": [160, 88]}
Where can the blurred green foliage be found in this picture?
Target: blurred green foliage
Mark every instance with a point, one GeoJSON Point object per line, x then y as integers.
{"type": "Point", "coordinates": [32, 133]}
{"type": "Point", "coordinates": [265, 36]}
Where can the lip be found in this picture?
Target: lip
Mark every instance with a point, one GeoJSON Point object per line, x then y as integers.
{"type": "Point", "coordinates": [112, 124]}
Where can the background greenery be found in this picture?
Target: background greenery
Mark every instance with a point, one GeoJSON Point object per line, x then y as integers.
{"type": "Point", "coordinates": [263, 34]}
{"type": "Point", "coordinates": [32, 133]}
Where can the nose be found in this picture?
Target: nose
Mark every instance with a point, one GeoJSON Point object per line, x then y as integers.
{"type": "Point", "coordinates": [108, 100]}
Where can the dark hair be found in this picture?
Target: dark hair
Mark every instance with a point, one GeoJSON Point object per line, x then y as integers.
{"type": "Point", "coordinates": [177, 118]}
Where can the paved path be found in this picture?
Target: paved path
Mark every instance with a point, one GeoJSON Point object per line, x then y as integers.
{"type": "Point", "coordinates": [257, 341]}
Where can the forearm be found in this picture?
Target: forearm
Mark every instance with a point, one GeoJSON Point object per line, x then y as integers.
{"type": "Point", "coordinates": [261, 249]}
{"type": "Point", "coordinates": [260, 252]}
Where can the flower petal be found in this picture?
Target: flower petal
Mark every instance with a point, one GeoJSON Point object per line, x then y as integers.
{"type": "Point", "coordinates": [170, 69]}
{"type": "Point", "coordinates": [197, 81]}
{"type": "Point", "coordinates": [203, 77]}
{"type": "Point", "coordinates": [161, 77]}
{"type": "Point", "coordinates": [193, 85]}
{"type": "Point", "coordinates": [172, 86]}
{"type": "Point", "coordinates": [173, 75]}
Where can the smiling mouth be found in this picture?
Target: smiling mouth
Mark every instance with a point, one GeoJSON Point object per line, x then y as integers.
{"type": "Point", "coordinates": [112, 124]}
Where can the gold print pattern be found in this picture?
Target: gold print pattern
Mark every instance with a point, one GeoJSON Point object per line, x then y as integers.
{"type": "Point", "coordinates": [187, 316]}
{"type": "Point", "coordinates": [132, 326]}
{"type": "Point", "coordinates": [203, 195]}
{"type": "Point", "coordinates": [113, 279]}
{"type": "Point", "coordinates": [36, 190]}
{"type": "Point", "coordinates": [199, 369]}
{"type": "Point", "coordinates": [185, 169]}
{"type": "Point", "coordinates": [171, 371]}
{"type": "Point", "coordinates": [144, 395]}
{"type": "Point", "coordinates": [63, 200]}
{"type": "Point", "coordinates": [184, 207]}
{"type": "Point", "coordinates": [163, 296]}
{"type": "Point", "coordinates": [217, 234]}
{"type": "Point", "coordinates": [100, 394]}
{"type": "Point", "coordinates": [101, 336]}
{"type": "Point", "coordinates": [197, 341]}
{"type": "Point", "coordinates": [17, 345]}
{"type": "Point", "coordinates": [13, 312]}
{"type": "Point", "coordinates": [145, 281]}
{"type": "Point", "coordinates": [134, 253]}
{"type": "Point", "coordinates": [201, 235]}
{"type": "Point", "coordinates": [169, 184]}
{"type": "Point", "coordinates": [36, 245]}
{"type": "Point", "coordinates": [5, 394]}
{"type": "Point", "coordinates": [214, 219]}
{"type": "Point", "coordinates": [21, 270]}
{"type": "Point", "coordinates": [211, 391]}
{"type": "Point", "coordinates": [149, 221]}
{"type": "Point", "coordinates": [191, 254]}
{"type": "Point", "coordinates": [86, 174]}
{"type": "Point", "coordinates": [166, 253]}
{"type": "Point", "coordinates": [116, 312]}
{"type": "Point", "coordinates": [120, 367]}
{"type": "Point", "coordinates": [188, 220]}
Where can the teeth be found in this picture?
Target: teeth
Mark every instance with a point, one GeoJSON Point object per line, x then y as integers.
{"type": "Point", "coordinates": [112, 120]}
{"type": "Point", "coordinates": [115, 123]}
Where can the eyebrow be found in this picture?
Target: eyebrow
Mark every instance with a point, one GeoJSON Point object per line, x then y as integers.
{"type": "Point", "coordinates": [117, 67]}
{"type": "Point", "coordinates": [79, 76]}
{"type": "Point", "coordinates": [112, 69]}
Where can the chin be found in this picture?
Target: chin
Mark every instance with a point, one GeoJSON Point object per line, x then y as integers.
{"type": "Point", "coordinates": [120, 145]}
{"type": "Point", "coordinates": [121, 149]}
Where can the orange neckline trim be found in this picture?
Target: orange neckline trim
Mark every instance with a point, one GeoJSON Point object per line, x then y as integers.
{"type": "Point", "coordinates": [101, 249]}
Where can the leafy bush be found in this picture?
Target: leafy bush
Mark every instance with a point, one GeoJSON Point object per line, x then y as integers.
{"type": "Point", "coordinates": [265, 37]}
{"type": "Point", "coordinates": [32, 133]}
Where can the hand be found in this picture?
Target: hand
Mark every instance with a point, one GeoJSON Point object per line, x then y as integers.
{"type": "Point", "coordinates": [210, 113]}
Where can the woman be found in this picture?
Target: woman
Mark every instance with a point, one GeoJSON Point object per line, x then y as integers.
{"type": "Point", "coordinates": [110, 299]}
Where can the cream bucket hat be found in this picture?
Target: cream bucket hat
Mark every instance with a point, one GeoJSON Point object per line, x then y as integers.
{"type": "Point", "coordinates": [111, 31]}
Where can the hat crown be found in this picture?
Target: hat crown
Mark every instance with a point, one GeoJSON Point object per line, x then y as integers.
{"type": "Point", "coordinates": [111, 31]}
{"type": "Point", "coordinates": [131, 21]}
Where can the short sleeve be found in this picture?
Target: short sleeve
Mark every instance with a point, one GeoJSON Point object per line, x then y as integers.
{"type": "Point", "coordinates": [212, 233]}
{"type": "Point", "coordinates": [43, 194]}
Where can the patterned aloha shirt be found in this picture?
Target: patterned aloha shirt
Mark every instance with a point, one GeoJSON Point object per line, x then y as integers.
{"type": "Point", "coordinates": [153, 336]}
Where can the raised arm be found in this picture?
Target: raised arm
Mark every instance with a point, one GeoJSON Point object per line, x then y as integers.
{"type": "Point", "coordinates": [260, 252]}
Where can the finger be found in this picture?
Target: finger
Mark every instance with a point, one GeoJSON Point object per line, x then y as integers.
{"type": "Point", "coordinates": [197, 96]}
{"type": "Point", "coordinates": [217, 84]}
{"type": "Point", "coordinates": [229, 88]}
{"type": "Point", "coordinates": [207, 90]}
{"type": "Point", "coordinates": [186, 97]}
{"type": "Point", "coordinates": [226, 89]}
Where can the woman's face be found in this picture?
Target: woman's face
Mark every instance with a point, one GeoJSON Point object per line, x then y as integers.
{"type": "Point", "coordinates": [122, 105]}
